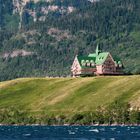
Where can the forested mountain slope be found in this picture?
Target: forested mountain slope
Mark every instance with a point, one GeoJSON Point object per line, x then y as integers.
{"type": "Point", "coordinates": [41, 38]}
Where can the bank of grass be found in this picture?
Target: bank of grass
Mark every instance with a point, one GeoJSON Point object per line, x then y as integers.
{"type": "Point", "coordinates": [67, 97]}
{"type": "Point", "coordinates": [69, 94]}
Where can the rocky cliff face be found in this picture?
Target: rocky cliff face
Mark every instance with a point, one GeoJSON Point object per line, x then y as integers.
{"type": "Point", "coordinates": [19, 7]}
{"type": "Point", "coordinates": [20, 4]}
{"type": "Point", "coordinates": [38, 10]}
{"type": "Point", "coordinates": [31, 8]}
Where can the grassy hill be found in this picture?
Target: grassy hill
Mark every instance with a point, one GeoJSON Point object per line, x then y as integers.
{"type": "Point", "coordinates": [69, 95]}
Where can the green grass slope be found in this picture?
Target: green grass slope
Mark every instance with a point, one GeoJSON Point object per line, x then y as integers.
{"type": "Point", "coordinates": [69, 95]}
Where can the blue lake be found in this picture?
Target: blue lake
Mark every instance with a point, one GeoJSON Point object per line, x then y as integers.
{"type": "Point", "coordinates": [69, 132]}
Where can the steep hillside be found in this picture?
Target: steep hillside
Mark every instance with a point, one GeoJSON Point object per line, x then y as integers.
{"type": "Point", "coordinates": [41, 38]}
{"type": "Point", "coordinates": [69, 95]}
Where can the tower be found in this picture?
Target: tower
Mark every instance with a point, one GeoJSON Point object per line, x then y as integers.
{"type": "Point", "coordinates": [98, 50]}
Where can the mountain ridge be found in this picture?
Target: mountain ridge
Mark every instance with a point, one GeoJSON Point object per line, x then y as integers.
{"type": "Point", "coordinates": [57, 38]}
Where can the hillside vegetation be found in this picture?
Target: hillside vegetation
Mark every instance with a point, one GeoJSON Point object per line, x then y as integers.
{"type": "Point", "coordinates": [51, 39]}
{"type": "Point", "coordinates": [85, 101]}
{"type": "Point", "coordinates": [69, 95]}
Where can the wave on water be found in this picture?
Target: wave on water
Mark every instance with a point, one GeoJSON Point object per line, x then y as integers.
{"type": "Point", "coordinates": [26, 135]}
{"type": "Point", "coordinates": [94, 130]}
{"type": "Point", "coordinates": [69, 133]}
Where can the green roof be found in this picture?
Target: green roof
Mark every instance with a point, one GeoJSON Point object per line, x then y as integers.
{"type": "Point", "coordinates": [94, 59]}
{"type": "Point", "coordinates": [86, 60]}
{"type": "Point", "coordinates": [92, 55]}
{"type": "Point", "coordinates": [101, 58]}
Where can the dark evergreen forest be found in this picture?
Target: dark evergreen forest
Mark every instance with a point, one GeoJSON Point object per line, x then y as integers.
{"type": "Point", "coordinates": [54, 42]}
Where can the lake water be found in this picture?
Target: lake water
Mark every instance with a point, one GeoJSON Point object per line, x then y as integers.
{"type": "Point", "coordinates": [69, 132]}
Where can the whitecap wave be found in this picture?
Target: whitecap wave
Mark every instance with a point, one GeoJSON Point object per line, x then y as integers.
{"type": "Point", "coordinates": [94, 130]}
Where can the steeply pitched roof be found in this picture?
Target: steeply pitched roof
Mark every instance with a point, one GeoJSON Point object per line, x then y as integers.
{"type": "Point", "coordinates": [86, 61]}
{"type": "Point", "coordinates": [92, 55]}
{"type": "Point", "coordinates": [100, 59]}
{"type": "Point", "coordinates": [94, 59]}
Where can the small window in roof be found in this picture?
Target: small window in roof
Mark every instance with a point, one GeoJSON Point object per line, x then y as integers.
{"type": "Point", "coordinates": [120, 65]}
{"type": "Point", "coordinates": [88, 64]}
{"type": "Point", "coordinates": [119, 62]}
{"type": "Point", "coordinates": [91, 61]}
{"type": "Point", "coordinates": [82, 61]}
{"type": "Point", "coordinates": [92, 64]}
{"type": "Point", "coordinates": [83, 64]}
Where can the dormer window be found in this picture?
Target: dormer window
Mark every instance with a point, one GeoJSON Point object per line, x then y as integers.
{"type": "Point", "coordinates": [91, 61]}
{"type": "Point", "coordinates": [83, 62]}
{"type": "Point", "coordinates": [87, 61]}
{"type": "Point", "coordinates": [88, 64]}
{"type": "Point", "coordinates": [120, 65]}
{"type": "Point", "coordinates": [92, 64]}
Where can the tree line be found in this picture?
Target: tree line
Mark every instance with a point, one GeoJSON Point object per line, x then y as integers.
{"type": "Point", "coordinates": [114, 114]}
